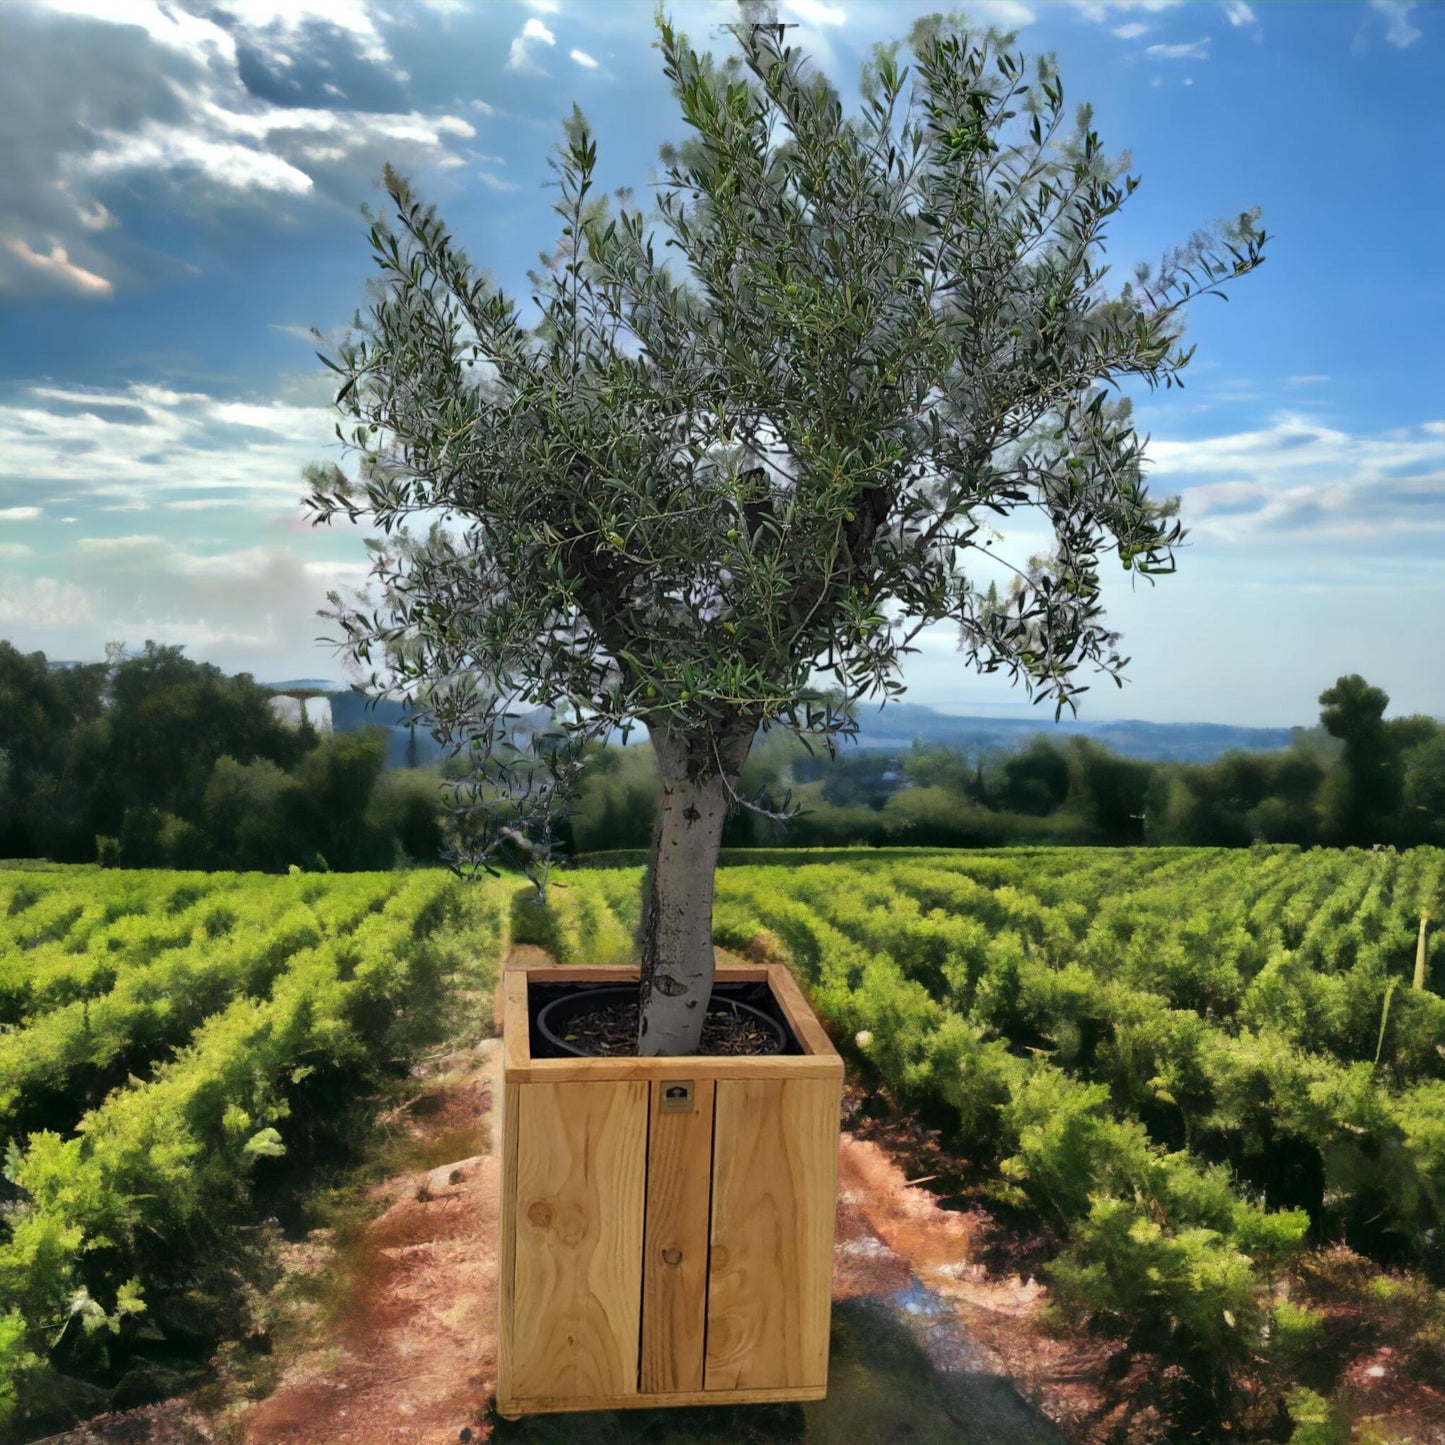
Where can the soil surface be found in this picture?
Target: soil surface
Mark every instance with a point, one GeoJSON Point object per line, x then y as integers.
{"type": "Point", "coordinates": [610, 1031]}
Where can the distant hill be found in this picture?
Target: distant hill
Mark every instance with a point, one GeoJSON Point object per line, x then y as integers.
{"type": "Point", "coordinates": [894, 728]}
{"type": "Point", "coordinates": [891, 730]}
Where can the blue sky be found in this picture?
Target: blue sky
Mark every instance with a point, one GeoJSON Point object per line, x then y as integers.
{"type": "Point", "coordinates": [180, 204]}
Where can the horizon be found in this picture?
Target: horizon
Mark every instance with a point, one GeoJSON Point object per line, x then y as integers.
{"type": "Point", "coordinates": [1044, 721]}
{"type": "Point", "coordinates": [183, 202]}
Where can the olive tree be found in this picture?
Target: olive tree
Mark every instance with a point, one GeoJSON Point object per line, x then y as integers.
{"type": "Point", "coordinates": [682, 500]}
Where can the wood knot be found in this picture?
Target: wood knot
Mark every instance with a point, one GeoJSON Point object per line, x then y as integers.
{"type": "Point", "coordinates": [540, 1213]}
{"type": "Point", "coordinates": [672, 1256]}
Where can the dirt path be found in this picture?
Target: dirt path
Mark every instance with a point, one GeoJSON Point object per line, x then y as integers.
{"type": "Point", "coordinates": [415, 1359]}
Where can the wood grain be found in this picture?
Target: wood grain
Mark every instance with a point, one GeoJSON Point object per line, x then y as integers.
{"type": "Point", "coordinates": [800, 1016]}
{"type": "Point", "coordinates": [516, 1032]}
{"type": "Point", "coordinates": [695, 1066]}
{"type": "Point", "coordinates": [674, 1271]}
{"type": "Point", "coordinates": [547, 1405]}
{"type": "Point", "coordinates": [507, 1252]}
{"type": "Point", "coordinates": [589, 1320]}
{"type": "Point", "coordinates": [578, 1182]}
{"type": "Point", "coordinates": [775, 1173]}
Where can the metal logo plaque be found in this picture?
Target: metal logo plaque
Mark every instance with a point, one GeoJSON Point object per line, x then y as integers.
{"type": "Point", "coordinates": [676, 1097]}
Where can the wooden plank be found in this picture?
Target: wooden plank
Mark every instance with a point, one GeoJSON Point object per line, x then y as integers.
{"type": "Point", "coordinates": [577, 1274]}
{"type": "Point", "coordinates": [696, 1066]}
{"type": "Point", "coordinates": [775, 1172]}
{"type": "Point", "coordinates": [617, 974]}
{"type": "Point", "coordinates": [544, 1406]}
{"type": "Point", "coordinates": [516, 1031]}
{"type": "Point", "coordinates": [801, 1018]}
{"type": "Point", "coordinates": [630, 972]}
{"type": "Point", "coordinates": [674, 1270]}
{"type": "Point", "coordinates": [507, 1252]}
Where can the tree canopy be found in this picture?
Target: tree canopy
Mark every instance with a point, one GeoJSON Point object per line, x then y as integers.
{"type": "Point", "coordinates": [684, 498]}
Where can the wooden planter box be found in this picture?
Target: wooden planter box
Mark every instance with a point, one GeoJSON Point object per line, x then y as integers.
{"type": "Point", "coordinates": [667, 1224]}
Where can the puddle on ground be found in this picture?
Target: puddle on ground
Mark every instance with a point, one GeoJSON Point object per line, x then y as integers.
{"type": "Point", "coordinates": [901, 1368]}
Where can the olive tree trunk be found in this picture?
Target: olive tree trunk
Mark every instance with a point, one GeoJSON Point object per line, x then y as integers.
{"type": "Point", "coordinates": [698, 775]}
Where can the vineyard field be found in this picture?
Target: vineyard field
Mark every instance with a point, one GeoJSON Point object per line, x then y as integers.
{"type": "Point", "coordinates": [1192, 1070]}
{"type": "Point", "coordinates": [162, 1037]}
{"type": "Point", "coordinates": [1191, 1073]}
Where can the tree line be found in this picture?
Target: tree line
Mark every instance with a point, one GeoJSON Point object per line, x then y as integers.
{"type": "Point", "coordinates": [1357, 779]}
{"type": "Point", "coordinates": [155, 760]}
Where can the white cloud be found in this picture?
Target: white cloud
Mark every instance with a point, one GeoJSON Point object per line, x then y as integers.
{"type": "Point", "coordinates": [172, 148]}
{"type": "Point", "coordinates": [1238, 13]}
{"type": "Point", "coordinates": [15, 549]}
{"type": "Point", "coordinates": [1132, 31]}
{"type": "Point", "coordinates": [1300, 477]}
{"type": "Point", "coordinates": [1009, 14]}
{"type": "Point", "coordinates": [20, 514]}
{"type": "Point", "coordinates": [262, 150]}
{"type": "Point", "coordinates": [200, 41]}
{"type": "Point", "coordinates": [1191, 50]}
{"type": "Point", "coordinates": [816, 12]}
{"type": "Point", "coordinates": [95, 219]}
{"type": "Point", "coordinates": [149, 91]}
{"type": "Point", "coordinates": [496, 182]}
{"type": "Point", "coordinates": [582, 58]}
{"type": "Point", "coordinates": [1312, 380]}
{"type": "Point", "coordinates": [519, 57]}
{"type": "Point", "coordinates": [543, 7]}
{"type": "Point", "coordinates": [58, 265]}
{"type": "Point", "coordinates": [147, 586]}
{"type": "Point", "coordinates": [275, 417]}
{"type": "Point", "coordinates": [161, 445]}
{"type": "Point", "coordinates": [44, 602]}
{"type": "Point", "coordinates": [1399, 31]}
{"type": "Point", "coordinates": [272, 27]}
{"type": "Point", "coordinates": [260, 125]}
{"type": "Point", "coordinates": [273, 24]}
{"type": "Point", "coordinates": [1101, 11]}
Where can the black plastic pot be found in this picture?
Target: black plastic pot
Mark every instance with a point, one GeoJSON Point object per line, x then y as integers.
{"type": "Point", "coordinates": [555, 1018]}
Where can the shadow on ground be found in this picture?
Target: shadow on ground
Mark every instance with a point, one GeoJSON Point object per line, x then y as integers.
{"type": "Point", "coordinates": [900, 1370]}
